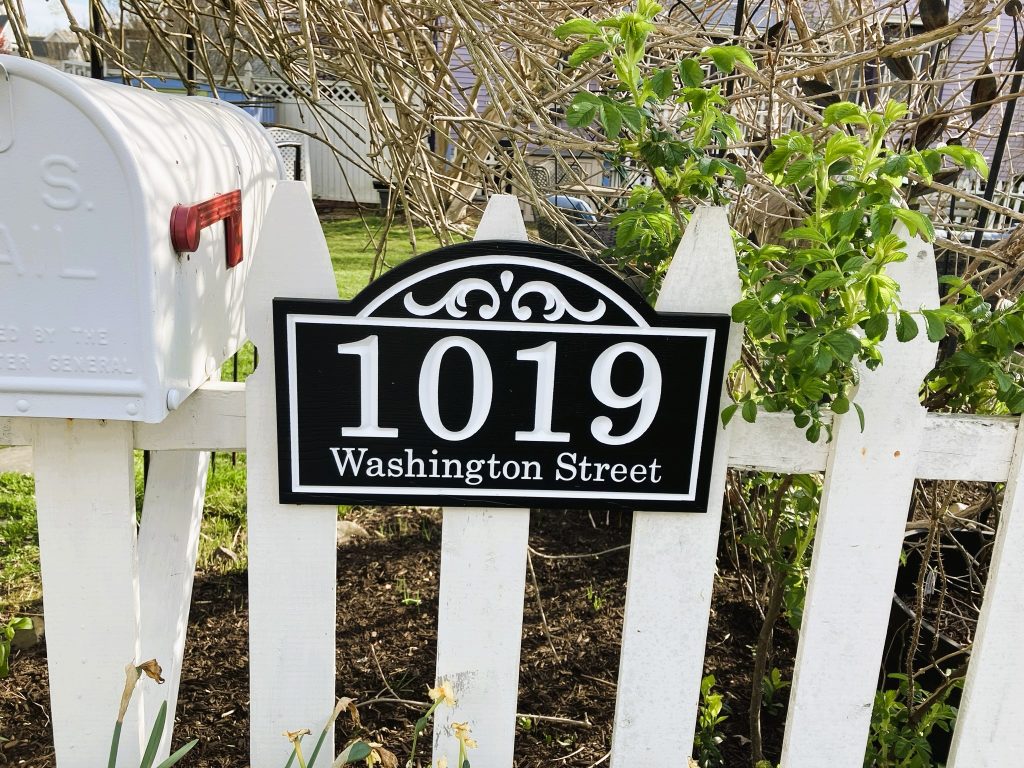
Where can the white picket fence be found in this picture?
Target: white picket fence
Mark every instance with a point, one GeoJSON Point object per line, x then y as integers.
{"type": "Point", "coordinates": [113, 594]}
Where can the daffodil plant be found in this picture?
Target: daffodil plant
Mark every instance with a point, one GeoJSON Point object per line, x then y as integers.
{"type": "Point", "coordinates": [442, 694]}
{"type": "Point", "coordinates": [355, 751]}
{"type": "Point", "coordinates": [133, 672]}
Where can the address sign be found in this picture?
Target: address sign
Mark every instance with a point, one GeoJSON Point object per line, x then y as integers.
{"type": "Point", "coordinates": [497, 374]}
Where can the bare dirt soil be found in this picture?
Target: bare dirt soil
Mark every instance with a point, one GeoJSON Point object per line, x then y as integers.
{"type": "Point", "coordinates": [387, 613]}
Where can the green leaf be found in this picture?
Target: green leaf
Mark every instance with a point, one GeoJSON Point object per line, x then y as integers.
{"type": "Point", "coordinates": [813, 432]}
{"type": "Point", "coordinates": [822, 362]}
{"type": "Point", "coordinates": [115, 739]}
{"type": "Point", "coordinates": [823, 281]}
{"type": "Point", "coordinates": [728, 412]}
{"type": "Point", "coordinates": [798, 171]}
{"type": "Point", "coordinates": [877, 326]}
{"type": "Point", "coordinates": [894, 110]}
{"type": "Point", "coordinates": [22, 622]}
{"type": "Point", "coordinates": [587, 51]}
{"type": "Point", "coordinates": [582, 110]}
{"type": "Point", "coordinates": [691, 73]}
{"type": "Point", "coordinates": [739, 175]}
{"type": "Point", "coordinates": [840, 405]}
{"type": "Point", "coordinates": [663, 83]}
{"type": "Point", "coordinates": [917, 223]}
{"type": "Point", "coordinates": [968, 158]}
{"type": "Point", "coordinates": [742, 310]}
{"type": "Point", "coordinates": [726, 57]}
{"type": "Point", "coordinates": [576, 27]}
{"type": "Point", "coordinates": [881, 221]}
{"type": "Point", "coordinates": [906, 326]}
{"type": "Point", "coordinates": [935, 325]}
{"type": "Point", "coordinates": [804, 233]}
{"type": "Point", "coordinates": [804, 303]}
{"type": "Point", "coordinates": [177, 756]}
{"type": "Point", "coordinates": [154, 737]}
{"type": "Point", "coordinates": [353, 753]}
{"type": "Point", "coordinates": [801, 420]}
{"type": "Point", "coordinates": [847, 222]}
{"type": "Point", "coordinates": [632, 117]}
{"type": "Point", "coordinates": [843, 196]}
{"type": "Point", "coordinates": [610, 118]}
{"type": "Point", "coordinates": [844, 113]}
{"type": "Point", "coordinates": [860, 415]}
{"type": "Point", "coordinates": [749, 411]}
{"type": "Point", "coordinates": [813, 389]}
{"type": "Point", "coordinates": [843, 343]}
{"type": "Point", "coordinates": [776, 161]}
{"type": "Point", "coordinates": [895, 165]}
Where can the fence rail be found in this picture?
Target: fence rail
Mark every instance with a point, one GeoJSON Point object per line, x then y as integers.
{"type": "Point", "coordinates": [956, 446]}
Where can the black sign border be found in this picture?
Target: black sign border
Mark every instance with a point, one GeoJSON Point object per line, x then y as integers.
{"type": "Point", "coordinates": [283, 307]}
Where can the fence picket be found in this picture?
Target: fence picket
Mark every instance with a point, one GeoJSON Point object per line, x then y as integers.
{"type": "Point", "coordinates": [292, 548]}
{"type": "Point", "coordinates": [480, 604]}
{"type": "Point", "coordinates": [672, 558]}
{"type": "Point", "coordinates": [168, 545]}
{"type": "Point", "coordinates": [85, 499]}
{"type": "Point", "coordinates": [988, 732]}
{"type": "Point", "coordinates": [868, 485]}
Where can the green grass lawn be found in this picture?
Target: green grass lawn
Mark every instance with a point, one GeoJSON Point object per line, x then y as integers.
{"type": "Point", "coordinates": [352, 253]}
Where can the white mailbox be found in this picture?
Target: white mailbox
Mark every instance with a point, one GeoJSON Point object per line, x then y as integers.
{"type": "Point", "coordinates": [127, 220]}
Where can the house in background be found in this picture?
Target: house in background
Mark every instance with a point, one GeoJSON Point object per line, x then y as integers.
{"type": "Point", "coordinates": [59, 46]}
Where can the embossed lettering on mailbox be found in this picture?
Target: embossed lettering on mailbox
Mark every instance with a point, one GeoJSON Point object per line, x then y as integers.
{"type": "Point", "coordinates": [497, 373]}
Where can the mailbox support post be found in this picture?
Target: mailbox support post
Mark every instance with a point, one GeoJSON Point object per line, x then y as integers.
{"type": "Point", "coordinates": [85, 497]}
{"type": "Point", "coordinates": [168, 544]}
{"type": "Point", "coordinates": [114, 596]}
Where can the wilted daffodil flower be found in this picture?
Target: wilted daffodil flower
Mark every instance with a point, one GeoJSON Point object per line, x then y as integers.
{"type": "Point", "coordinates": [443, 694]}
{"type": "Point", "coordinates": [462, 734]}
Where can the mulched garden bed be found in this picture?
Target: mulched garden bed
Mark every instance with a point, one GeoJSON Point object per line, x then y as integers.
{"type": "Point", "coordinates": [380, 580]}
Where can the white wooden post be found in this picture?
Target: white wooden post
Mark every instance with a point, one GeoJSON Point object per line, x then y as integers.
{"type": "Point", "coordinates": [292, 550]}
{"type": "Point", "coordinates": [85, 496]}
{"type": "Point", "coordinates": [988, 731]}
{"type": "Point", "coordinates": [480, 605]}
{"type": "Point", "coordinates": [672, 557]}
{"type": "Point", "coordinates": [869, 480]}
{"type": "Point", "coordinates": [168, 544]}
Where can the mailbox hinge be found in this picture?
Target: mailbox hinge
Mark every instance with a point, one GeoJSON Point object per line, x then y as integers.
{"type": "Point", "coordinates": [6, 110]}
{"type": "Point", "coordinates": [188, 222]}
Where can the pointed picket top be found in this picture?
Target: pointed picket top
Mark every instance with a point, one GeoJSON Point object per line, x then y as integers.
{"type": "Point", "coordinates": [672, 555]}
{"type": "Point", "coordinates": [698, 276]}
{"type": "Point", "coordinates": [502, 220]}
{"type": "Point", "coordinates": [869, 481]}
{"type": "Point", "coordinates": [919, 282]}
{"type": "Point", "coordinates": [291, 234]}
{"type": "Point", "coordinates": [291, 674]}
{"type": "Point", "coordinates": [480, 605]}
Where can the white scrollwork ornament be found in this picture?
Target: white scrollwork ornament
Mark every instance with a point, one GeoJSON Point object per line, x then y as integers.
{"type": "Point", "coordinates": [455, 301]}
{"type": "Point", "coordinates": [555, 304]}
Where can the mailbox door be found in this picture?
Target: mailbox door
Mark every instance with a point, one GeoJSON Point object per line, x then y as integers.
{"type": "Point", "coordinates": [72, 300]}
